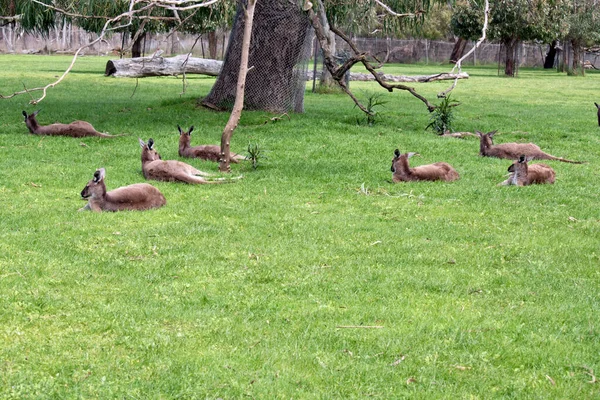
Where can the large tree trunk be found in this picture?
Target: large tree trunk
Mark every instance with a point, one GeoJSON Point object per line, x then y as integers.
{"type": "Point", "coordinates": [550, 56]}
{"type": "Point", "coordinates": [277, 45]}
{"type": "Point", "coordinates": [458, 50]}
{"type": "Point", "coordinates": [510, 62]}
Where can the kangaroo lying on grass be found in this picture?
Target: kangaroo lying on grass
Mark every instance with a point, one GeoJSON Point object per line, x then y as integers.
{"type": "Point", "coordinates": [513, 151]}
{"type": "Point", "coordinates": [432, 172]}
{"type": "Point", "coordinates": [523, 174]}
{"type": "Point", "coordinates": [210, 152]}
{"type": "Point", "coordinates": [140, 196]}
{"type": "Point", "coordinates": [74, 129]}
{"type": "Point", "coordinates": [155, 168]}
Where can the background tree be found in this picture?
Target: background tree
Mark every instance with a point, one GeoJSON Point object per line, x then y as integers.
{"type": "Point", "coordinates": [583, 20]}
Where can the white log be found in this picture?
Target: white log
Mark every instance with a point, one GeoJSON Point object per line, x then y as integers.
{"type": "Point", "coordinates": [160, 66]}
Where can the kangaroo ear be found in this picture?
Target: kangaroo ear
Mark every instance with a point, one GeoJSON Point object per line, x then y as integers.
{"type": "Point", "coordinates": [397, 153]}
{"type": "Point", "coordinates": [99, 175]}
{"type": "Point", "coordinates": [522, 159]}
{"type": "Point", "coordinates": [179, 129]}
{"type": "Point", "coordinates": [190, 130]}
{"type": "Point", "coordinates": [492, 133]}
{"type": "Point", "coordinates": [36, 112]}
{"type": "Point", "coordinates": [597, 106]}
{"type": "Point", "coordinates": [25, 114]}
{"type": "Point", "coordinates": [150, 143]}
{"type": "Point", "coordinates": [479, 133]}
{"type": "Point", "coordinates": [142, 144]}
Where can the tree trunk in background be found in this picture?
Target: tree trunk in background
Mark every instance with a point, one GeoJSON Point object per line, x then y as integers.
{"type": "Point", "coordinates": [550, 56]}
{"type": "Point", "coordinates": [277, 44]}
{"type": "Point", "coordinates": [212, 45]}
{"type": "Point", "coordinates": [577, 64]}
{"type": "Point", "coordinates": [511, 51]}
{"type": "Point", "coordinates": [136, 49]}
{"type": "Point", "coordinates": [458, 50]}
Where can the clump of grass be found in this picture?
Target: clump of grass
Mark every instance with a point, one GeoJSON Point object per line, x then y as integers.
{"type": "Point", "coordinates": [255, 154]}
{"type": "Point", "coordinates": [374, 102]}
{"type": "Point", "coordinates": [442, 117]}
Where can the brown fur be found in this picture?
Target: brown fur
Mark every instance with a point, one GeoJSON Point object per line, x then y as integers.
{"type": "Point", "coordinates": [598, 107]}
{"type": "Point", "coordinates": [512, 151]}
{"type": "Point", "coordinates": [209, 152]}
{"type": "Point", "coordinates": [139, 196]}
{"type": "Point", "coordinates": [155, 168]}
{"type": "Point", "coordinates": [75, 129]}
{"type": "Point", "coordinates": [523, 174]}
{"type": "Point", "coordinates": [432, 172]}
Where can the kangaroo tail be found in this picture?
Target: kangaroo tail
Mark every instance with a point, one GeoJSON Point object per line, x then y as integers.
{"type": "Point", "coordinates": [570, 161]}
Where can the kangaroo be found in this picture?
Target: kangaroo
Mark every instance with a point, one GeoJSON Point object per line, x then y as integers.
{"type": "Point", "coordinates": [75, 129]}
{"type": "Point", "coordinates": [139, 196]}
{"type": "Point", "coordinates": [512, 151]}
{"type": "Point", "coordinates": [155, 168]}
{"type": "Point", "coordinates": [522, 174]}
{"type": "Point", "coordinates": [210, 152]}
{"type": "Point", "coordinates": [598, 107]}
{"type": "Point", "coordinates": [431, 172]}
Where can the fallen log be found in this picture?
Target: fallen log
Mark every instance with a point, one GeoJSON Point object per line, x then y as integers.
{"type": "Point", "coordinates": [160, 66]}
{"type": "Point", "coordinates": [140, 67]}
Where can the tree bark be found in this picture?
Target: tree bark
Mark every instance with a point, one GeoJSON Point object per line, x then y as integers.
{"type": "Point", "coordinates": [458, 50]}
{"type": "Point", "coordinates": [277, 45]}
{"type": "Point", "coordinates": [212, 45]}
{"type": "Point", "coordinates": [550, 56]}
{"type": "Point", "coordinates": [238, 106]}
{"type": "Point", "coordinates": [510, 62]}
{"type": "Point", "coordinates": [136, 49]}
{"type": "Point", "coordinates": [577, 64]}
{"type": "Point", "coordinates": [159, 66]}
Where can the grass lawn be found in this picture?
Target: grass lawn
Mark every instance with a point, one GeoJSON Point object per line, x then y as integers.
{"type": "Point", "coordinates": [314, 276]}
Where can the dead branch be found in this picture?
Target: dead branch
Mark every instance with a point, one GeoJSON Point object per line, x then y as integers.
{"type": "Point", "coordinates": [458, 64]}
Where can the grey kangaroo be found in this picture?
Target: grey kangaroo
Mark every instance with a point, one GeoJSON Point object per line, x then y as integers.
{"type": "Point", "coordinates": [74, 129]}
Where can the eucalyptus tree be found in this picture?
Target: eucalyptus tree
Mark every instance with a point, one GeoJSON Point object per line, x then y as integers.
{"type": "Point", "coordinates": [512, 22]}
{"type": "Point", "coordinates": [583, 19]}
{"type": "Point", "coordinates": [144, 16]}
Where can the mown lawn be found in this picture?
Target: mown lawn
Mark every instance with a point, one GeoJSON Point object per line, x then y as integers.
{"type": "Point", "coordinates": [314, 276]}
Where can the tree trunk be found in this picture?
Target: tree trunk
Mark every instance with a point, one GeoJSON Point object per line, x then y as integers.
{"type": "Point", "coordinates": [577, 64]}
{"type": "Point", "coordinates": [510, 63]}
{"type": "Point", "coordinates": [458, 50]}
{"type": "Point", "coordinates": [277, 46]}
{"type": "Point", "coordinates": [136, 49]}
{"type": "Point", "coordinates": [550, 56]}
{"type": "Point", "coordinates": [212, 45]}
{"type": "Point", "coordinates": [238, 106]}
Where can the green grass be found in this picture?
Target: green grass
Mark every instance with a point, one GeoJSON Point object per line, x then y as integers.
{"type": "Point", "coordinates": [241, 290]}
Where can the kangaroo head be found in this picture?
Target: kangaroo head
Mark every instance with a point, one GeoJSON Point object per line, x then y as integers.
{"type": "Point", "coordinates": [520, 167]}
{"type": "Point", "coordinates": [400, 158]}
{"type": "Point", "coordinates": [148, 153]}
{"type": "Point", "coordinates": [95, 188]}
{"type": "Point", "coordinates": [30, 120]}
{"type": "Point", "coordinates": [184, 137]}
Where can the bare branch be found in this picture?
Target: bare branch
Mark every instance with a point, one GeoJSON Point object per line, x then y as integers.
{"type": "Point", "coordinates": [481, 40]}
{"type": "Point", "coordinates": [395, 14]}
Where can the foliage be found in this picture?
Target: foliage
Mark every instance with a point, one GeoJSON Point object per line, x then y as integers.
{"type": "Point", "coordinates": [375, 101]}
{"type": "Point", "coordinates": [292, 283]}
{"type": "Point", "coordinates": [442, 116]}
{"type": "Point", "coordinates": [256, 153]}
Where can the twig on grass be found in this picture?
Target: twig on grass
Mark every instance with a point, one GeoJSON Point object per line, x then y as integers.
{"type": "Point", "coordinates": [359, 327]}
